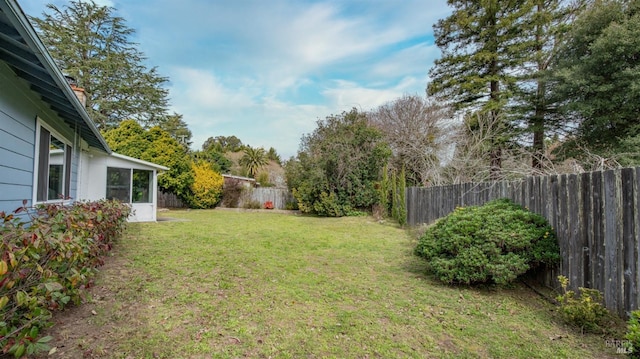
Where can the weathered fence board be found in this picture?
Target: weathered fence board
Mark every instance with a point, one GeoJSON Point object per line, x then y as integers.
{"type": "Point", "coordinates": [629, 235]}
{"type": "Point", "coordinates": [169, 200]}
{"type": "Point", "coordinates": [278, 196]}
{"type": "Point", "coordinates": [595, 215]}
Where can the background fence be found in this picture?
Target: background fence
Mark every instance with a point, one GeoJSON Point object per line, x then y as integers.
{"type": "Point", "coordinates": [169, 200]}
{"type": "Point", "coordinates": [279, 196]}
{"type": "Point", "coordinates": [596, 217]}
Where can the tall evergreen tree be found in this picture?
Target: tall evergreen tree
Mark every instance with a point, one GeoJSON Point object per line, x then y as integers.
{"type": "Point", "coordinates": [92, 45]}
{"type": "Point", "coordinates": [483, 43]}
{"type": "Point", "coordinates": [598, 78]}
{"type": "Point", "coordinates": [534, 106]}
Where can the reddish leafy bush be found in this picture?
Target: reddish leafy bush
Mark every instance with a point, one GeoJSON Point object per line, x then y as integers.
{"type": "Point", "coordinates": [48, 262]}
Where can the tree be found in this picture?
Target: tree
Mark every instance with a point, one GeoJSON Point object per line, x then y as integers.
{"type": "Point", "coordinates": [414, 129]}
{"type": "Point", "coordinates": [473, 139]}
{"type": "Point", "coordinates": [177, 128]}
{"type": "Point", "coordinates": [483, 43]}
{"type": "Point", "coordinates": [598, 77]}
{"type": "Point", "coordinates": [273, 155]}
{"type": "Point", "coordinates": [338, 166]}
{"type": "Point", "coordinates": [534, 106]}
{"type": "Point", "coordinates": [93, 46]}
{"type": "Point", "coordinates": [399, 207]}
{"type": "Point", "coordinates": [157, 146]}
{"type": "Point", "coordinates": [253, 160]}
{"type": "Point", "coordinates": [216, 159]}
{"type": "Point", "coordinates": [223, 144]}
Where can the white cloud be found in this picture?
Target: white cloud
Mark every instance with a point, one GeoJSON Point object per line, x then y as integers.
{"type": "Point", "coordinates": [212, 107]}
{"type": "Point", "coordinates": [409, 61]}
{"type": "Point", "coordinates": [265, 71]}
{"type": "Point", "coordinates": [347, 94]}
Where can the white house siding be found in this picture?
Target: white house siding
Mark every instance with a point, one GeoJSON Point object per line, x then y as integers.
{"type": "Point", "coordinates": [19, 108]}
{"type": "Point", "coordinates": [94, 167]}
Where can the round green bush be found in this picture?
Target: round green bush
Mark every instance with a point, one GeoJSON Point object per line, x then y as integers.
{"type": "Point", "coordinates": [493, 243]}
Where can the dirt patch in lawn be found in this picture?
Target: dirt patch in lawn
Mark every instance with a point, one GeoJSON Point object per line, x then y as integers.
{"type": "Point", "coordinates": [82, 331]}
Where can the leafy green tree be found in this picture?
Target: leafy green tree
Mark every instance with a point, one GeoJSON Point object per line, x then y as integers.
{"type": "Point", "coordinates": [338, 166]}
{"type": "Point", "coordinates": [94, 46]}
{"type": "Point", "coordinates": [598, 78]}
{"type": "Point", "coordinates": [214, 149]}
{"type": "Point", "coordinates": [216, 159]}
{"type": "Point", "coordinates": [253, 160]}
{"type": "Point", "coordinates": [157, 146]}
{"type": "Point", "coordinates": [483, 43]}
{"type": "Point", "coordinates": [178, 129]}
{"type": "Point", "coordinates": [223, 144]}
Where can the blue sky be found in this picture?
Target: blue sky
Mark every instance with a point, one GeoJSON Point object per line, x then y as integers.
{"type": "Point", "coordinates": [266, 71]}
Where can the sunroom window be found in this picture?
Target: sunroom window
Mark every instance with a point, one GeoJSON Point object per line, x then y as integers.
{"type": "Point", "coordinates": [142, 186]}
{"type": "Point", "coordinates": [119, 184]}
{"type": "Point", "coordinates": [129, 185]}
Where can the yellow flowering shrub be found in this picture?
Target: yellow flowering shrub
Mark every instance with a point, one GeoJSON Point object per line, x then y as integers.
{"type": "Point", "coordinates": [207, 185]}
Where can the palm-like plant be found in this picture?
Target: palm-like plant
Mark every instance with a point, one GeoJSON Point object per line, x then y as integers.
{"type": "Point", "coordinates": [254, 159]}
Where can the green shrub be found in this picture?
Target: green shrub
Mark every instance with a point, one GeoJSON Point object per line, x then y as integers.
{"type": "Point", "coordinates": [633, 334]}
{"type": "Point", "coordinates": [495, 242]}
{"type": "Point", "coordinates": [252, 205]}
{"type": "Point", "coordinates": [586, 311]}
{"type": "Point", "coordinates": [328, 205]}
{"type": "Point", "coordinates": [207, 185]}
{"type": "Point", "coordinates": [48, 263]}
{"type": "Point", "coordinates": [291, 206]}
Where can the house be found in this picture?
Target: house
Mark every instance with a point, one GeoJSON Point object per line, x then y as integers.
{"type": "Point", "coordinates": [50, 150]}
{"type": "Point", "coordinates": [116, 176]}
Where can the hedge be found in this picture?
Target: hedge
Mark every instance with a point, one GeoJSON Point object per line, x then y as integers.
{"type": "Point", "coordinates": [47, 259]}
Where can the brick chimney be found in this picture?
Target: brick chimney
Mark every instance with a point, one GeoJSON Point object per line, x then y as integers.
{"type": "Point", "coordinates": [80, 92]}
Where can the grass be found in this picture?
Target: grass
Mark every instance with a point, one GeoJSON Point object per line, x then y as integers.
{"type": "Point", "coordinates": [225, 284]}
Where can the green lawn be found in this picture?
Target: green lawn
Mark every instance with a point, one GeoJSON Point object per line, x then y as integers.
{"type": "Point", "coordinates": [226, 284]}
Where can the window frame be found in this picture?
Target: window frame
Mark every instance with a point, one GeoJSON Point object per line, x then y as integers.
{"type": "Point", "coordinates": [120, 169]}
{"type": "Point", "coordinates": [41, 164]}
{"type": "Point", "coordinates": [131, 184]}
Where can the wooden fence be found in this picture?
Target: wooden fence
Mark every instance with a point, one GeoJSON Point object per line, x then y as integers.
{"type": "Point", "coordinates": [279, 196]}
{"type": "Point", "coordinates": [596, 217]}
{"type": "Point", "coordinates": [169, 200]}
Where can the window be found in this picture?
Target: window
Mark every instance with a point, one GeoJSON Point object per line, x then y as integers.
{"type": "Point", "coordinates": [119, 184]}
{"type": "Point", "coordinates": [53, 172]}
{"type": "Point", "coordinates": [142, 186]}
{"type": "Point", "coordinates": [129, 185]}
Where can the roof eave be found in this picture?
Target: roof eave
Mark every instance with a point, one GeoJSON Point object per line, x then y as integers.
{"type": "Point", "coordinates": [29, 34]}
{"type": "Point", "coordinates": [142, 162]}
